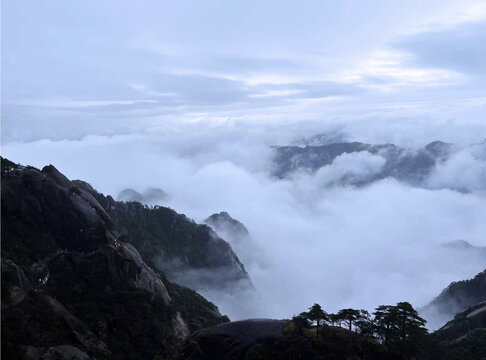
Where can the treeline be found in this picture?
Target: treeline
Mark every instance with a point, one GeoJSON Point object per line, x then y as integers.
{"type": "Point", "coordinates": [399, 327]}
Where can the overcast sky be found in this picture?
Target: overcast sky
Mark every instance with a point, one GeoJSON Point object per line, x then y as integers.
{"type": "Point", "coordinates": [74, 68]}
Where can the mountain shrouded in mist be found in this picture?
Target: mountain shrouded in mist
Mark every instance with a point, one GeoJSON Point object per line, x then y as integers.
{"type": "Point", "coordinates": [261, 157]}
{"type": "Point", "coordinates": [74, 282]}
{"type": "Point", "coordinates": [84, 277]}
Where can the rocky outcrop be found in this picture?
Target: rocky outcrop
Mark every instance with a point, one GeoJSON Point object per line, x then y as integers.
{"type": "Point", "coordinates": [64, 352]}
{"type": "Point", "coordinates": [228, 227]}
{"type": "Point", "coordinates": [268, 339]}
{"type": "Point", "coordinates": [74, 286]}
{"type": "Point", "coordinates": [189, 253]}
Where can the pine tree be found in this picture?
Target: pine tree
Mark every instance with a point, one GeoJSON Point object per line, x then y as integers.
{"type": "Point", "coordinates": [318, 315]}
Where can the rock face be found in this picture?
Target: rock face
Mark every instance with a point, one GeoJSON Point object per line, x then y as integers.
{"type": "Point", "coordinates": [188, 253]}
{"type": "Point", "coordinates": [268, 339]}
{"type": "Point", "coordinates": [402, 164]}
{"type": "Point", "coordinates": [74, 284]}
{"type": "Point", "coordinates": [457, 297]}
{"type": "Point", "coordinates": [225, 225]}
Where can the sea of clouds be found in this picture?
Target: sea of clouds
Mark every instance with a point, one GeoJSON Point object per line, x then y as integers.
{"type": "Point", "coordinates": [312, 239]}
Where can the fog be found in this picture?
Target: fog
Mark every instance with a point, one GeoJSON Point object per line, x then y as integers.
{"type": "Point", "coordinates": [312, 239]}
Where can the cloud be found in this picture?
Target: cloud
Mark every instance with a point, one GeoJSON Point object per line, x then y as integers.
{"type": "Point", "coordinates": [339, 246]}
{"type": "Point", "coordinates": [459, 49]}
{"type": "Point", "coordinates": [464, 171]}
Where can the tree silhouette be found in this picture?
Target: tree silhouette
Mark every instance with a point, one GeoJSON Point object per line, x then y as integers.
{"type": "Point", "coordinates": [318, 315]}
{"type": "Point", "coordinates": [301, 321]}
{"type": "Point", "coordinates": [334, 319]}
{"type": "Point", "coordinates": [349, 316]}
{"type": "Point", "coordinates": [385, 316]}
{"type": "Point", "coordinates": [400, 326]}
{"type": "Point", "coordinates": [365, 323]}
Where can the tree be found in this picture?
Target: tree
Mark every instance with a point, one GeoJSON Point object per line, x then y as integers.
{"type": "Point", "coordinates": [385, 322]}
{"type": "Point", "coordinates": [301, 322]}
{"type": "Point", "coordinates": [400, 327]}
{"type": "Point", "coordinates": [335, 320]}
{"type": "Point", "coordinates": [365, 323]}
{"type": "Point", "coordinates": [318, 315]}
{"type": "Point", "coordinates": [411, 327]}
{"type": "Point", "coordinates": [349, 315]}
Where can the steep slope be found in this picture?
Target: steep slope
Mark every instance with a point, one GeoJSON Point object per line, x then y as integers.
{"type": "Point", "coordinates": [457, 297]}
{"type": "Point", "coordinates": [73, 286]}
{"type": "Point", "coordinates": [464, 337]}
{"type": "Point", "coordinates": [189, 253]}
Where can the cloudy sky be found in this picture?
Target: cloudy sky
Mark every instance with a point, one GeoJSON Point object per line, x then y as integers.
{"type": "Point", "coordinates": [71, 69]}
{"type": "Point", "coordinates": [188, 96]}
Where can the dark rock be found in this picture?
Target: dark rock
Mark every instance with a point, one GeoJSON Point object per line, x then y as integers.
{"type": "Point", "coordinates": [275, 339]}
{"type": "Point", "coordinates": [189, 253]}
{"type": "Point", "coordinates": [73, 285]}
{"type": "Point", "coordinates": [65, 352]}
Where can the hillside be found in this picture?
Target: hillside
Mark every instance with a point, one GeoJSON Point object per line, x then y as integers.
{"type": "Point", "coordinates": [456, 298]}
{"type": "Point", "coordinates": [74, 284]}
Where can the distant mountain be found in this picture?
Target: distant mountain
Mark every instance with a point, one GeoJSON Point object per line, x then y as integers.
{"type": "Point", "coordinates": [457, 297]}
{"type": "Point", "coordinates": [225, 225]}
{"type": "Point", "coordinates": [151, 196]}
{"type": "Point", "coordinates": [465, 246]}
{"type": "Point", "coordinates": [400, 163]}
{"type": "Point", "coordinates": [78, 277]}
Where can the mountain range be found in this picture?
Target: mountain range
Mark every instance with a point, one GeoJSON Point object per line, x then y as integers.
{"type": "Point", "coordinates": [411, 166]}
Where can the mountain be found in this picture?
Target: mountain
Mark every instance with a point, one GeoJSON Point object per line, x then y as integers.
{"type": "Point", "coordinates": [78, 281]}
{"type": "Point", "coordinates": [189, 253]}
{"type": "Point", "coordinates": [225, 225]}
{"type": "Point", "coordinates": [150, 196]}
{"type": "Point", "coordinates": [457, 297]}
{"type": "Point", "coordinates": [464, 337]}
{"type": "Point", "coordinates": [463, 246]}
{"type": "Point", "coordinates": [400, 163]}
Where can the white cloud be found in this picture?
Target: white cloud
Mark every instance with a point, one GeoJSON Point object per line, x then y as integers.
{"type": "Point", "coordinates": [338, 246]}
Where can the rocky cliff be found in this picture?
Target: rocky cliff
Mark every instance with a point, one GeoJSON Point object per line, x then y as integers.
{"type": "Point", "coordinates": [74, 281]}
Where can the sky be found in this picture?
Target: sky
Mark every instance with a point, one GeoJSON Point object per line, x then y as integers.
{"type": "Point", "coordinates": [71, 69]}
{"type": "Point", "coordinates": [189, 96]}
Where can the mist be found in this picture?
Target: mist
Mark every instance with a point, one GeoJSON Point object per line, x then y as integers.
{"type": "Point", "coordinates": [312, 239]}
